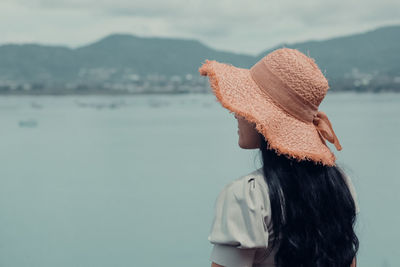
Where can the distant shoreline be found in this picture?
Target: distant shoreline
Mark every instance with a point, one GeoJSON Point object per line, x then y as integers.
{"type": "Point", "coordinates": [177, 94]}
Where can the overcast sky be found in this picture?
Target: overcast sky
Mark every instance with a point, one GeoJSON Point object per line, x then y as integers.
{"type": "Point", "coordinates": [239, 26]}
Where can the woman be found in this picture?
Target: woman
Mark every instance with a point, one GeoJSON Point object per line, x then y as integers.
{"type": "Point", "coordinates": [300, 208]}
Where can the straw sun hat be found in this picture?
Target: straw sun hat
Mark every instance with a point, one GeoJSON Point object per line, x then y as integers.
{"type": "Point", "coordinates": [280, 94]}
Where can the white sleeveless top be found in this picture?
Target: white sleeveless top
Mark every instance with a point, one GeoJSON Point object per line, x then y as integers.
{"type": "Point", "coordinates": [241, 231]}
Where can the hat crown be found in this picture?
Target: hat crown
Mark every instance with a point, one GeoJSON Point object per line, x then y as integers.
{"type": "Point", "coordinates": [298, 72]}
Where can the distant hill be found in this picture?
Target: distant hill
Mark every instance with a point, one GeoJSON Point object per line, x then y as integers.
{"type": "Point", "coordinates": [117, 52]}
{"type": "Point", "coordinates": [351, 62]}
{"type": "Point", "coordinates": [153, 55]}
{"type": "Point", "coordinates": [374, 54]}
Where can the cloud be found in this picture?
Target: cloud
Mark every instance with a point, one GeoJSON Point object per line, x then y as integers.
{"type": "Point", "coordinates": [234, 25]}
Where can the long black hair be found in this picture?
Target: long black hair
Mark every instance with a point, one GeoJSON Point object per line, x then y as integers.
{"type": "Point", "coordinates": [313, 212]}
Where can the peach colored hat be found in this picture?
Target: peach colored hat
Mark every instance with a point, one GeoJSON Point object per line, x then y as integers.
{"type": "Point", "coordinates": [280, 94]}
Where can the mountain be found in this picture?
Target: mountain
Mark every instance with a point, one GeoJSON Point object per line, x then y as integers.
{"type": "Point", "coordinates": [121, 61]}
{"type": "Point", "coordinates": [153, 55]}
{"type": "Point", "coordinates": [32, 62]}
{"type": "Point", "coordinates": [373, 55]}
{"type": "Point", "coordinates": [116, 53]}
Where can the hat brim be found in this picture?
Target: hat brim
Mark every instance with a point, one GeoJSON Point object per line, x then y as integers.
{"type": "Point", "coordinates": [236, 91]}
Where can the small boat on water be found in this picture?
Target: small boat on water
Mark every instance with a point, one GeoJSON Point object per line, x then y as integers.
{"type": "Point", "coordinates": [30, 123]}
{"type": "Point", "coordinates": [112, 105]}
{"type": "Point", "coordinates": [36, 105]}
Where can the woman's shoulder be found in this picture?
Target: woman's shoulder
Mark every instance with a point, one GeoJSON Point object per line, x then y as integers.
{"type": "Point", "coordinates": [242, 204]}
{"type": "Point", "coordinates": [248, 180]}
{"type": "Point", "coordinates": [352, 190]}
{"type": "Point", "coordinates": [248, 187]}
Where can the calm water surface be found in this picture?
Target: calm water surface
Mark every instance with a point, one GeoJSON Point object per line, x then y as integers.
{"type": "Point", "coordinates": [131, 181]}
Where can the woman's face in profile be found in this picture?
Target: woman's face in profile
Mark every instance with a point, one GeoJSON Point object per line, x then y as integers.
{"type": "Point", "coordinates": [249, 138]}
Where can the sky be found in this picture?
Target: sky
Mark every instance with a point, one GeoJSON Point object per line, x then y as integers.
{"type": "Point", "coordinates": [237, 26]}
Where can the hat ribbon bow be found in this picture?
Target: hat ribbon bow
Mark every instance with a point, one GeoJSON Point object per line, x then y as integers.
{"type": "Point", "coordinates": [324, 128]}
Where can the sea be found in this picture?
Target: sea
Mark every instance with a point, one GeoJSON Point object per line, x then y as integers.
{"type": "Point", "coordinates": [132, 180]}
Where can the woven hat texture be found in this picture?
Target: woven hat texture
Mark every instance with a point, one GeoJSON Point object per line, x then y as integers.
{"type": "Point", "coordinates": [287, 80]}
